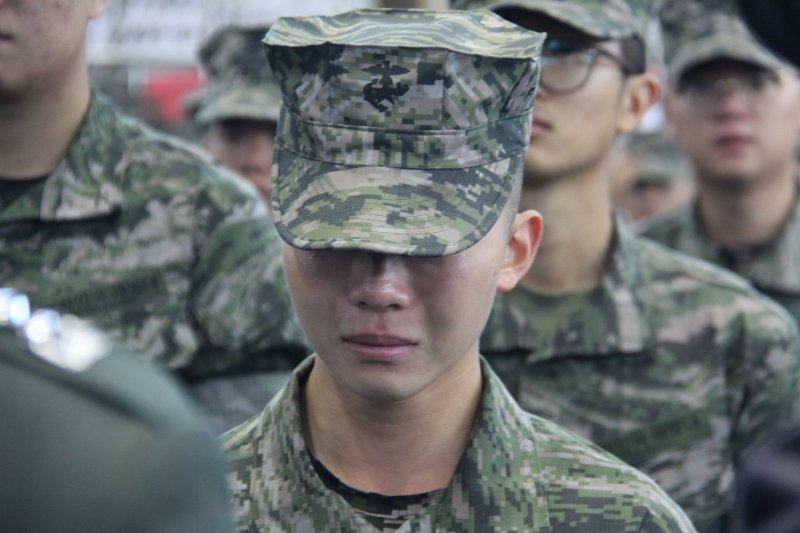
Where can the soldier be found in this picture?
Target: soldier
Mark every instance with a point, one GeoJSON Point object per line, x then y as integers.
{"type": "Point", "coordinates": [649, 176]}
{"type": "Point", "coordinates": [136, 231]}
{"type": "Point", "coordinates": [95, 440]}
{"type": "Point", "coordinates": [399, 153]}
{"type": "Point", "coordinates": [240, 110]}
{"type": "Point", "coordinates": [674, 365]}
{"type": "Point", "coordinates": [734, 108]}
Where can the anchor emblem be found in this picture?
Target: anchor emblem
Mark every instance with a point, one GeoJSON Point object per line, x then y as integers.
{"type": "Point", "coordinates": [383, 88]}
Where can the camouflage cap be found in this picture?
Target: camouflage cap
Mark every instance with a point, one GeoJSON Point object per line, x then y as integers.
{"type": "Point", "coordinates": [402, 131]}
{"type": "Point", "coordinates": [602, 19]}
{"type": "Point", "coordinates": [241, 84]}
{"type": "Point", "coordinates": [716, 36]}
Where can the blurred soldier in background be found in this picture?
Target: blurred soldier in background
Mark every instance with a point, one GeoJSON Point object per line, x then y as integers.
{"type": "Point", "coordinates": [239, 112]}
{"type": "Point", "coordinates": [138, 232]}
{"type": "Point", "coordinates": [674, 365]}
{"type": "Point", "coordinates": [98, 441]}
{"type": "Point", "coordinates": [649, 176]}
{"type": "Point", "coordinates": [735, 109]}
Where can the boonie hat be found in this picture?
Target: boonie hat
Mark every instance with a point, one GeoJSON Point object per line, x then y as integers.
{"type": "Point", "coordinates": [401, 131]}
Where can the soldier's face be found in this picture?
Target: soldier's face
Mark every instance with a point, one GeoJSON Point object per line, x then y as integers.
{"type": "Point", "coordinates": [737, 122]}
{"type": "Point", "coordinates": [573, 131]}
{"type": "Point", "coordinates": [245, 146]}
{"type": "Point", "coordinates": [42, 43]}
{"type": "Point", "coordinates": [388, 327]}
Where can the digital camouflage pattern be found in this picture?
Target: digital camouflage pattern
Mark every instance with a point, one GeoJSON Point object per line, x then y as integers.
{"type": "Point", "coordinates": [240, 82]}
{"type": "Point", "coordinates": [603, 19]}
{"type": "Point", "coordinates": [141, 234]}
{"type": "Point", "coordinates": [701, 36]}
{"type": "Point", "coordinates": [675, 366]}
{"type": "Point", "coordinates": [401, 130]}
{"type": "Point", "coordinates": [771, 268]}
{"type": "Point", "coordinates": [518, 473]}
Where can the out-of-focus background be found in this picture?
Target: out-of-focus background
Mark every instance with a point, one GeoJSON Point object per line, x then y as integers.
{"type": "Point", "coordinates": [143, 52]}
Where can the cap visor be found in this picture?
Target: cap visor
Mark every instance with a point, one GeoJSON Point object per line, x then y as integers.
{"type": "Point", "coordinates": [320, 206]}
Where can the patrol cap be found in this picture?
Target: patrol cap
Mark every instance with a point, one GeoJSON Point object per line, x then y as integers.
{"type": "Point", "coordinates": [602, 19]}
{"type": "Point", "coordinates": [240, 83]}
{"type": "Point", "coordinates": [659, 159]}
{"type": "Point", "coordinates": [401, 131]}
{"type": "Point", "coordinates": [717, 36]}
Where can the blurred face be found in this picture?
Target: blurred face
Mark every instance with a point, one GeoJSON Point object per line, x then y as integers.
{"type": "Point", "coordinates": [42, 42]}
{"type": "Point", "coordinates": [245, 146]}
{"type": "Point", "coordinates": [737, 122]}
{"type": "Point", "coordinates": [577, 107]}
{"type": "Point", "coordinates": [387, 327]}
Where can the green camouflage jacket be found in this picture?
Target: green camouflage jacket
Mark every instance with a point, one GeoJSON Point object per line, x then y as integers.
{"type": "Point", "coordinates": [677, 367]}
{"type": "Point", "coordinates": [519, 473]}
{"type": "Point", "coordinates": [171, 255]}
{"type": "Point", "coordinates": [772, 268]}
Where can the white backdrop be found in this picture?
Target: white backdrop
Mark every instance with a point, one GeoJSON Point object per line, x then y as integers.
{"type": "Point", "coordinates": [168, 32]}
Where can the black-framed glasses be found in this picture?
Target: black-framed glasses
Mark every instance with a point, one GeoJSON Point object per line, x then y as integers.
{"type": "Point", "coordinates": [566, 66]}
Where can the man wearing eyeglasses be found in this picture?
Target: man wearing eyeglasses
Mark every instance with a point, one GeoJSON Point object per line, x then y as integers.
{"type": "Point", "coordinates": [736, 112]}
{"type": "Point", "coordinates": [676, 366]}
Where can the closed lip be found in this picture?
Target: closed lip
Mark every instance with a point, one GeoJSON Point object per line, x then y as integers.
{"type": "Point", "coordinates": [379, 347]}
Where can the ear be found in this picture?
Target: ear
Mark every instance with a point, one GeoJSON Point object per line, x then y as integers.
{"type": "Point", "coordinates": [641, 92]}
{"type": "Point", "coordinates": [523, 241]}
{"type": "Point", "coordinates": [96, 8]}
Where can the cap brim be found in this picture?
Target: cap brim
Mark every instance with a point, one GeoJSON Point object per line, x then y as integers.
{"type": "Point", "coordinates": [593, 22]}
{"type": "Point", "coordinates": [427, 213]}
{"type": "Point", "coordinates": [720, 47]}
{"type": "Point", "coordinates": [247, 102]}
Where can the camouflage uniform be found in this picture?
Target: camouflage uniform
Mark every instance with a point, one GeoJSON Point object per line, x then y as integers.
{"type": "Point", "coordinates": [241, 84]}
{"type": "Point", "coordinates": [518, 473]}
{"type": "Point", "coordinates": [418, 121]}
{"type": "Point", "coordinates": [772, 266]}
{"type": "Point", "coordinates": [144, 236]}
{"type": "Point", "coordinates": [675, 366]}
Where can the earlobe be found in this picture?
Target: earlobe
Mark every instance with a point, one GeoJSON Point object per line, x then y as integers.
{"type": "Point", "coordinates": [523, 241]}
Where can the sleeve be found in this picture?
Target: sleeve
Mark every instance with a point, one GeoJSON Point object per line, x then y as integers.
{"type": "Point", "coordinates": [769, 398]}
{"type": "Point", "coordinates": [239, 295]}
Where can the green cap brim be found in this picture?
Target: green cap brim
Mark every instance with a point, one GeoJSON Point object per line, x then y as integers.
{"type": "Point", "coordinates": [592, 21]}
{"type": "Point", "coordinates": [256, 103]}
{"type": "Point", "coordinates": [416, 212]}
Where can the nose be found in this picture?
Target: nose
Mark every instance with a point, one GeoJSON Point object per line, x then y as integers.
{"type": "Point", "coordinates": [257, 155]}
{"type": "Point", "coordinates": [381, 283]}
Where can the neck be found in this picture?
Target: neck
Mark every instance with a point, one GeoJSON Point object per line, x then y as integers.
{"type": "Point", "coordinates": [578, 230]}
{"type": "Point", "coordinates": [39, 125]}
{"type": "Point", "coordinates": [736, 216]}
{"type": "Point", "coordinates": [393, 447]}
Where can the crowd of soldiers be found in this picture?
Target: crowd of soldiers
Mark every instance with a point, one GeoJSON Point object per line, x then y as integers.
{"type": "Point", "coordinates": [426, 273]}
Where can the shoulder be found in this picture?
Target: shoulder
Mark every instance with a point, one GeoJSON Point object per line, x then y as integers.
{"type": "Point", "coordinates": [152, 164]}
{"type": "Point", "coordinates": [666, 228]}
{"type": "Point", "coordinates": [675, 284]}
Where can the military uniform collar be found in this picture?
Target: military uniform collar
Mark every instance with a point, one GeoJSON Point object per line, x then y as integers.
{"type": "Point", "coordinates": [494, 451]}
{"type": "Point", "coordinates": [773, 266]}
{"type": "Point", "coordinates": [625, 328]}
{"type": "Point", "coordinates": [81, 186]}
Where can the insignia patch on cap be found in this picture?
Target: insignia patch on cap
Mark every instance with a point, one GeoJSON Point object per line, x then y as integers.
{"type": "Point", "coordinates": [383, 88]}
